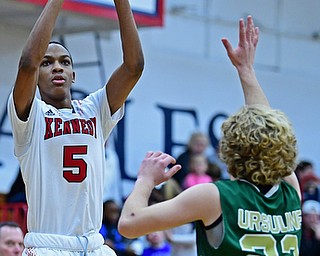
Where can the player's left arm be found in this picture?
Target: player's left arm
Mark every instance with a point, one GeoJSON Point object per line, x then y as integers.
{"type": "Point", "coordinates": [137, 218]}
{"type": "Point", "coordinates": [125, 77]}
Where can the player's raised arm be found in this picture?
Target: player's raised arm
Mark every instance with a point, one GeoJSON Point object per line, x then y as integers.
{"type": "Point", "coordinates": [31, 57]}
{"type": "Point", "coordinates": [137, 218]}
{"type": "Point", "coordinates": [242, 57]}
{"type": "Point", "coordinates": [151, 173]}
{"type": "Point", "coordinates": [127, 75]}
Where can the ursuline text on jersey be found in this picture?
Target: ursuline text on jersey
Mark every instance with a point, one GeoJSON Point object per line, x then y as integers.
{"type": "Point", "coordinates": [275, 224]}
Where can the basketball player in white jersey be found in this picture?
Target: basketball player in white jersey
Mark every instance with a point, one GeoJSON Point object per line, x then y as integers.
{"type": "Point", "coordinates": [59, 142]}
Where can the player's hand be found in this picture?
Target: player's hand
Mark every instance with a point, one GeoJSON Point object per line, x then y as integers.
{"type": "Point", "coordinates": [154, 167]}
{"type": "Point", "coordinates": [243, 55]}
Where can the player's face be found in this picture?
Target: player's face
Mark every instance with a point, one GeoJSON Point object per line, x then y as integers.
{"type": "Point", "coordinates": [55, 74]}
{"type": "Point", "coordinates": [199, 145]}
{"type": "Point", "coordinates": [11, 241]}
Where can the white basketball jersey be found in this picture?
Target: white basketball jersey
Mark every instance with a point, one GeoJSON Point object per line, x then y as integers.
{"type": "Point", "coordinates": [62, 158]}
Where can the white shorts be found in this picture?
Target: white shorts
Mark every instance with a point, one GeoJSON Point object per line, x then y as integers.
{"type": "Point", "coordinates": [38, 244]}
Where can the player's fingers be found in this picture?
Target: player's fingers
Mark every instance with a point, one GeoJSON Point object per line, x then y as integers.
{"type": "Point", "coordinates": [249, 29]}
{"type": "Point", "coordinates": [149, 153]}
{"type": "Point", "coordinates": [173, 170]}
{"type": "Point", "coordinates": [226, 45]}
{"type": "Point", "coordinates": [154, 153]}
{"type": "Point", "coordinates": [167, 159]}
{"type": "Point", "coordinates": [158, 153]}
{"type": "Point", "coordinates": [256, 36]}
{"type": "Point", "coordinates": [242, 32]}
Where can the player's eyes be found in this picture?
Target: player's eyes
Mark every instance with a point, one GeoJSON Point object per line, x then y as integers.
{"type": "Point", "coordinates": [66, 62]}
{"type": "Point", "coordinates": [10, 243]}
{"type": "Point", "coordinates": [45, 63]}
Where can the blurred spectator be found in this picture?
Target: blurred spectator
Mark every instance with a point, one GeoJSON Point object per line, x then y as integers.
{"type": "Point", "coordinates": [112, 178]}
{"type": "Point", "coordinates": [217, 167]}
{"type": "Point", "coordinates": [310, 242]}
{"type": "Point", "coordinates": [304, 168]}
{"type": "Point", "coordinates": [310, 187]}
{"type": "Point", "coordinates": [309, 181]}
{"type": "Point", "coordinates": [198, 168]}
{"type": "Point", "coordinates": [183, 240]}
{"type": "Point", "coordinates": [11, 239]}
{"type": "Point", "coordinates": [198, 143]}
{"type": "Point", "coordinates": [168, 189]}
{"type": "Point", "coordinates": [214, 171]}
{"type": "Point", "coordinates": [157, 244]}
{"type": "Point", "coordinates": [156, 195]}
{"type": "Point", "coordinates": [121, 245]}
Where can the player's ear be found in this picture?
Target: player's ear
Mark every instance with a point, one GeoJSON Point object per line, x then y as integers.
{"type": "Point", "coordinates": [73, 77]}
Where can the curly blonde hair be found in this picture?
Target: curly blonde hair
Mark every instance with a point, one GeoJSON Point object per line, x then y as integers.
{"type": "Point", "coordinates": [258, 144]}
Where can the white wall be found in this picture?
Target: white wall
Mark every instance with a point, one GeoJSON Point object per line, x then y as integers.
{"type": "Point", "coordinates": [186, 67]}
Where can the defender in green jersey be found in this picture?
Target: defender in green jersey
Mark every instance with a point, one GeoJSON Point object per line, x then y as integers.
{"type": "Point", "coordinates": [253, 222]}
{"type": "Point", "coordinates": [258, 211]}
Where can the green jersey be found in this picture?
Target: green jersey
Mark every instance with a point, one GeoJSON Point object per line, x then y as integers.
{"type": "Point", "coordinates": [254, 223]}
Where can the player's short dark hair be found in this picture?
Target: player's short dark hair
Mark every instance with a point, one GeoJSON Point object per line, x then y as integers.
{"type": "Point", "coordinates": [303, 165]}
{"type": "Point", "coordinates": [59, 43]}
{"type": "Point", "coordinates": [9, 224]}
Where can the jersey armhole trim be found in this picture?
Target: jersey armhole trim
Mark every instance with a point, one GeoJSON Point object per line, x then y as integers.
{"type": "Point", "coordinates": [215, 223]}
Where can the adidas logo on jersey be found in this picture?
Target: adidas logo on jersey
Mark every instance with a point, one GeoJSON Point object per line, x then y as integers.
{"type": "Point", "coordinates": [49, 113]}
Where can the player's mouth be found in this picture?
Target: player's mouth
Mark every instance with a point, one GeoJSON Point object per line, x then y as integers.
{"type": "Point", "coordinates": [58, 80]}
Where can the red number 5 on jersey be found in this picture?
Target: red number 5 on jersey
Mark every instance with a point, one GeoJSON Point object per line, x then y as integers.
{"type": "Point", "coordinates": [70, 162]}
